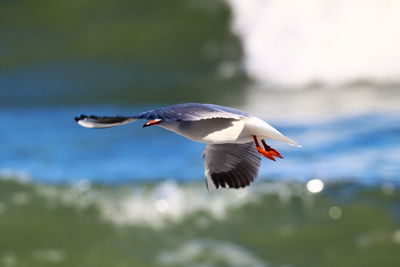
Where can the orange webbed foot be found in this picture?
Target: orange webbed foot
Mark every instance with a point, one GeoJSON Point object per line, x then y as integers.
{"type": "Point", "coordinates": [270, 150]}
{"type": "Point", "coordinates": [267, 151]}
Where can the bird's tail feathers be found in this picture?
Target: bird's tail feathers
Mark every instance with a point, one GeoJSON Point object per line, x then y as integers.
{"type": "Point", "coordinates": [288, 140]}
{"type": "Point", "coordinates": [93, 121]}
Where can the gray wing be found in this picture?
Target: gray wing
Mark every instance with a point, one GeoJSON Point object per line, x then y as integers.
{"type": "Point", "coordinates": [231, 165]}
{"type": "Point", "coordinates": [192, 112]}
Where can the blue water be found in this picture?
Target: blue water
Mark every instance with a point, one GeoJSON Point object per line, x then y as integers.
{"type": "Point", "coordinates": [46, 145]}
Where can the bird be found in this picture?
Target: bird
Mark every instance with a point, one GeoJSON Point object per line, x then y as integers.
{"type": "Point", "coordinates": [235, 140]}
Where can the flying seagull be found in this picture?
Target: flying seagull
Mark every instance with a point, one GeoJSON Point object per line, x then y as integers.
{"type": "Point", "coordinates": [233, 153]}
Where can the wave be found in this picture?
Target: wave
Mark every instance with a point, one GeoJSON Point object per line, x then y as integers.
{"type": "Point", "coordinates": [172, 224]}
{"type": "Point", "coordinates": [157, 205]}
{"type": "Point", "coordinates": [292, 43]}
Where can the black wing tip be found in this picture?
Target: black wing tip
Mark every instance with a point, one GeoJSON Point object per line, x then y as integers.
{"type": "Point", "coordinates": [82, 117]}
{"type": "Point", "coordinates": [227, 180]}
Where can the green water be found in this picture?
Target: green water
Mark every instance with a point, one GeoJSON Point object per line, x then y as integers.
{"type": "Point", "coordinates": [42, 225]}
{"type": "Point", "coordinates": [118, 52]}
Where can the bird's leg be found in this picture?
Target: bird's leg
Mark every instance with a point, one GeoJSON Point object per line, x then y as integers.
{"type": "Point", "coordinates": [268, 152]}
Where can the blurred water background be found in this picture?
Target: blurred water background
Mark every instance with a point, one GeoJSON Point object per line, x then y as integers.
{"type": "Point", "coordinates": [327, 74]}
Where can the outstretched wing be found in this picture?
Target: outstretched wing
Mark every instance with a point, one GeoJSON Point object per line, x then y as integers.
{"type": "Point", "coordinates": [93, 121]}
{"type": "Point", "coordinates": [179, 112]}
{"type": "Point", "coordinates": [192, 112]}
{"type": "Point", "coordinates": [231, 165]}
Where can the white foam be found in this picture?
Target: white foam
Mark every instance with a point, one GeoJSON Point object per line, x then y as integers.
{"type": "Point", "coordinates": [369, 238]}
{"type": "Point", "coordinates": [294, 43]}
{"type": "Point", "coordinates": [208, 253]}
{"type": "Point", "coordinates": [314, 104]}
{"type": "Point", "coordinates": [47, 255]}
{"type": "Point", "coordinates": [165, 203]}
{"type": "Point", "coordinates": [17, 175]}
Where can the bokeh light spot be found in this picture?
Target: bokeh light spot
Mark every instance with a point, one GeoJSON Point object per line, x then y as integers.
{"type": "Point", "coordinates": [83, 185]}
{"type": "Point", "coordinates": [2, 208]}
{"type": "Point", "coordinates": [388, 189]}
{"type": "Point", "coordinates": [315, 186]}
{"type": "Point", "coordinates": [335, 212]}
{"type": "Point", "coordinates": [396, 237]}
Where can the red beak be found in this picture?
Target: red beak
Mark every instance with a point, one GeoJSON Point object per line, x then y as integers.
{"type": "Point", "coordinates": [152, 122]}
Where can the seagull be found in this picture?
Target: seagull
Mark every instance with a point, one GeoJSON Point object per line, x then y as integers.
{"type": "Point", "coordinates": [235, 140]}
